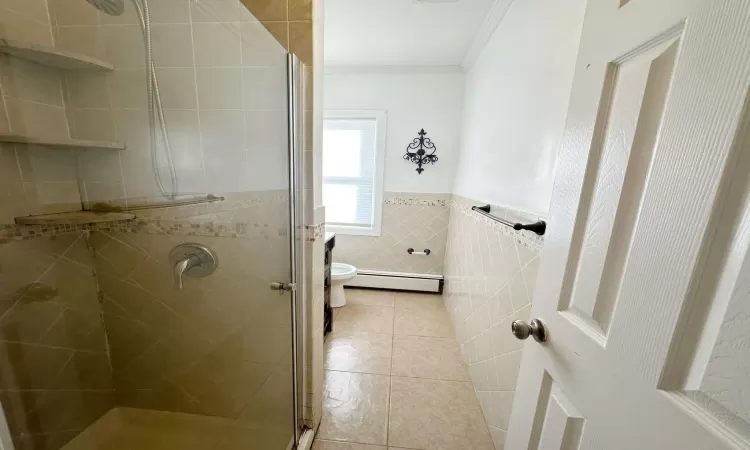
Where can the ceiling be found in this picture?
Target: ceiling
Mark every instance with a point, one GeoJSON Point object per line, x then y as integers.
{"type": "Point", "coordinates": [401, 32]}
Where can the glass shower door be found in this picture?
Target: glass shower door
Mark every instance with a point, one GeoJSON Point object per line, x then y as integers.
{"type": "Point", "coordinates": [142, 231]}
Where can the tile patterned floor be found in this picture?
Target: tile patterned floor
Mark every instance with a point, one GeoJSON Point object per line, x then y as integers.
{"type": "Point", "coordinates": [395, 378]}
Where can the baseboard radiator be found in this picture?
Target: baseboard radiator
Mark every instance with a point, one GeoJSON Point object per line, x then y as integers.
{"type": "Point", "coordinates": [397, 281]}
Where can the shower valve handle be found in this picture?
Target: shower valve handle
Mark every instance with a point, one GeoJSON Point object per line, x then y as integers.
{"type": "Point", "coordinates": [192, 260]}
{"type": "Point", "coordinates": [183, 266]}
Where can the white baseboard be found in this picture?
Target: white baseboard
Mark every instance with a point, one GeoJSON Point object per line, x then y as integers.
{"type": "Point", "coordinates": [397, 281]}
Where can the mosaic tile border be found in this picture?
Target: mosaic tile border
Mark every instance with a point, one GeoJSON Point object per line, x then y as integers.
{"type": "Point", "coordinates": [315, 232]}
{"type": "Point", "coordinates": [411, 201]}
{"type": "Point", "coordinates": [148, 226]}
{"type": "Point", "coordinates": [27, 232]}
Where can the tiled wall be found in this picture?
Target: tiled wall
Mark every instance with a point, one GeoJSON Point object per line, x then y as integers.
{"type": "Point", "coordinates": [34, 180]}
{"type": "Point", "coordinates": [55, 377]}
{"type": "Point", "coordinates": [314, 321]}
{"type": "Point", "coordinates": [490, 272]}
{"type": "Point", "coordinates": [418, 221]}
{"type": "Point", "coordinates": [222, 79]}
{"type": "Point", "coordinates": [220, 346]}
{"type": "Point", "coordinates": [290, 22]}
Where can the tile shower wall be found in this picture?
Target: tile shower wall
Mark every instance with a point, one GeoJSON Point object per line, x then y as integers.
{"type": "Point", "coordinates": [490, 275]}
{"type": "Point", "coordinates": [418, 221]}
{"type": "Point", "coordinates": [55, 377]}
{"type": "Point", "coordinates": [222, 78]}
{"type": "Point", "coordinates": [34, 180]}
{"type": "Point", "coordinates": [221, 346]}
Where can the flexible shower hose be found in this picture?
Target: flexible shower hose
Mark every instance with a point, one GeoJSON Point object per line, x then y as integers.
{"type": "Point", "coordinates": [155, 109]}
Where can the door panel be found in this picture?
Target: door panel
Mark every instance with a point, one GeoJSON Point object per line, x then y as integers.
{"type": "Point", "coordinates": [643, 284]}
{"type": "Point", "coordinates": [563, 424]}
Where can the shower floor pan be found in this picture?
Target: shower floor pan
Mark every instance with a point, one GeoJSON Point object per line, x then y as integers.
{"type": "Point", "coordinates": [143, 429]}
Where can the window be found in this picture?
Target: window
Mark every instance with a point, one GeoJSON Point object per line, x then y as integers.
{"type": "Point", "coordinates": [353, 151]}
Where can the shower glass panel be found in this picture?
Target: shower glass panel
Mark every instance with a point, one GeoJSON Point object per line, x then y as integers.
{"type": "Point", "coordinates": [144, 215]}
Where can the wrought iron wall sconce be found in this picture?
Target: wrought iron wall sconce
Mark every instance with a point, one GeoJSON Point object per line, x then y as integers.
{"type": "Point", "coordinates": [420, 157]}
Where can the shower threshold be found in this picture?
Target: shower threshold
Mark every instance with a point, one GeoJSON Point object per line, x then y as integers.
{"type": "Point", "coordinates": [144, 429]}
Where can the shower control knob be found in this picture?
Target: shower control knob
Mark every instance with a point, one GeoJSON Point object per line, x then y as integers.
{"type": "Point", "coordinates": [522, 330]}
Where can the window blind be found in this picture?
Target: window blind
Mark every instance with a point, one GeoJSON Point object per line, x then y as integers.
{"type": "Point", "coordinates": [349, 168]}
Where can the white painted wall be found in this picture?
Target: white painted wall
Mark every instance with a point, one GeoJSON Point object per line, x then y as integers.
{"type": "Point", "coordinates": [516, 102]}
{"type": "Point", "coordinates": [414, 99]}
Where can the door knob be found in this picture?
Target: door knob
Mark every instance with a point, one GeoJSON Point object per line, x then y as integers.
{"type": "Point", "coordinates": [522, 330]}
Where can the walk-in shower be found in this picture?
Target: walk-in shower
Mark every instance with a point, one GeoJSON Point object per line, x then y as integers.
{"type": "Point", "coordinates": [113, 334]}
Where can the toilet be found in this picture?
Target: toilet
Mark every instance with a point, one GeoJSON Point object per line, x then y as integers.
{"type": "Point", "coordinates": [340, 274]}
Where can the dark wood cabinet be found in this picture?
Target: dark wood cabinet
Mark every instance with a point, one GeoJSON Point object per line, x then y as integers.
{"type": "Point", "coordinates": [328, 311]}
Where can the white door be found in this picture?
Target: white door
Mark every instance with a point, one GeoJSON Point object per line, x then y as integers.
{"type": "Point", "coordinates": [644, 286]}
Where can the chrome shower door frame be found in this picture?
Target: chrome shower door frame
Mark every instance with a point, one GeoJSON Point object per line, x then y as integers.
{"type": "Point", "coordinates": [296, 238]}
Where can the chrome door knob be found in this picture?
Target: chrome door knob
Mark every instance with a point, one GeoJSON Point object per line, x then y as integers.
{"type": "Point", "coordinates": [522, 330]}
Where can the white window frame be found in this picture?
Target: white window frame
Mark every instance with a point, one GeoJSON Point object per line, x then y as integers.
{"type": "Point", "coordinates": [381, 118]}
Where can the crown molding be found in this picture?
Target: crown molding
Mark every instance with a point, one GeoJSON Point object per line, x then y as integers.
{"type": "Point", "coordinates": [494, 16]}
{"type": "Point", "coordinates": [391, 70]}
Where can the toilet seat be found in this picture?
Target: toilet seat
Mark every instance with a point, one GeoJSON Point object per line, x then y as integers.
{"type": "Point", "coordinates": [341, 271]}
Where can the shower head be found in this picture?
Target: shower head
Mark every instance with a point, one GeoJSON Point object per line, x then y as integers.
{"type": "Point", "coordinates": [111, 7]}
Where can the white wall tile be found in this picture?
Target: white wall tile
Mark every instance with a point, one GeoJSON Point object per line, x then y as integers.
{"type": "Point", "coordinates": [128, 89]}
{"type": "Point", "coordinates": [93, 124]}
{"type": "Point", "coordinates": [172, 45]}
{"type": "Point", "coordinates": [28, 81]}
{"type": "Point", "coordinates": [218, 88]}
{"type": "Point", "coordinates": [178, 88]}
{"type": "Point", "coordinates": [485, 284]}
{"type": "Point", "coordinates": [263, 87]}
{"type": "Point", "coordinates": [20, 26]}
{"type": "Point", "coordinates": [185, 140]}
{"type": "Point", "coordinates": [217, 44]}
{"type": "Point", "coordinates": [170, 11]}
{"type": "Point", "coordinates": [72, 13]}
{"type": "Point", "coordinates": [222, 131]}
{"type": "Point", "coordinates": [123, 46]}
{"type": "Point", "coordinates": [259, 47]}
{"type": "Point", "coordinates": [35, 10]}
{"type": "Point", "coordinates": [36, 119]}
{"type": "Point", "coordinates": [518, 295]}
{"type": "Point", "coordinates": [216, 11]}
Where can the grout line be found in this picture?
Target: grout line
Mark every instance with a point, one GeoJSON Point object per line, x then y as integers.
{"type": "Point", "coordinates": [407, 376]}
{"type": "Point", "coordinates": [390, 379]}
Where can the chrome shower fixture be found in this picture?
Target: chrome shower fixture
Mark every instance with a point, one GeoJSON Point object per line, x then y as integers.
{"type": "Point", "coordinates": [111, 7]}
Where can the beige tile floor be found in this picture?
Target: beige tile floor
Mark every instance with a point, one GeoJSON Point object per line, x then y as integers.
{"type": "Point", "coordinates": [395, 378]}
